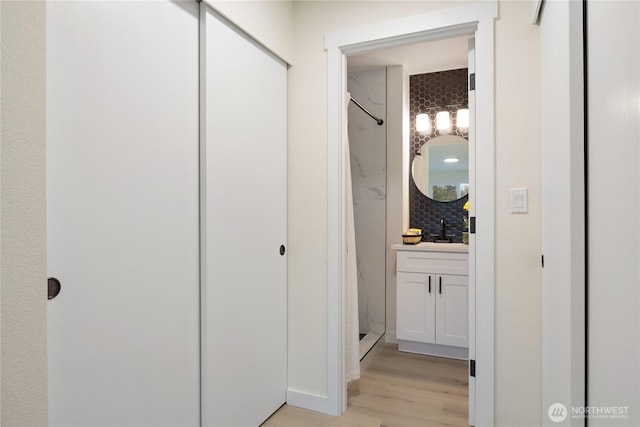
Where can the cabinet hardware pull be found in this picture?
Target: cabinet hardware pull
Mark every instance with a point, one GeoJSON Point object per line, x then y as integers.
{"type": "Point", "coordinates": [429, 284]}
{"type": "Point", "coordinates": [440, 287]}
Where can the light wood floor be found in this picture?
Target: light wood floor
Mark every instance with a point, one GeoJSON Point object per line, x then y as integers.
{"type": "Point", "coordinates": [396, 390]}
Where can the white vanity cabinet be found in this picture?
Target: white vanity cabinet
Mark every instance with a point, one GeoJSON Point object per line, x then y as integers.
{"type": "Point", "coordinates": [432, 299]}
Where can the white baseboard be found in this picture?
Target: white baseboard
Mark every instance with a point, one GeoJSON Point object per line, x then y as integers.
{"type": "Point", "coordinates": [434, 349]}
{"type": "Point", "coordinates": [308, 401]}
{"type": "Point", "coordinates": [371, 354]}
{"type": "Point", "coordinates": [368, 342]}
{"type": "Point", "coordinates": [390, 338]}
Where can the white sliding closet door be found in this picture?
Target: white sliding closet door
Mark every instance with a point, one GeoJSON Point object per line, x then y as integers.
{"type": "Point", "coordinates": [244, 135]}
{"type": "Point", "coordinates": [122, 213]}
{"type": "Point", "coordinates": [613, 97]}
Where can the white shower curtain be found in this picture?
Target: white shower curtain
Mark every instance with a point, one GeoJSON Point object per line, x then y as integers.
{"type": "Point", "coordinates": [352, 327]}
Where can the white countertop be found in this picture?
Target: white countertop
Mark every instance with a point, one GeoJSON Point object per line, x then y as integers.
{"type": "Point", "coordinates": [432, 247]}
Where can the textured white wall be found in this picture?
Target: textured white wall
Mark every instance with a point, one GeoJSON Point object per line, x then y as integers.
{"type": "Point", "coordinates": [517, 236]}
{"type": "Point", "coordinates": [22, 227]}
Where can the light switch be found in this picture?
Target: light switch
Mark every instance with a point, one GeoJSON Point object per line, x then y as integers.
{"type": "Point", "coordinates": [519, 200]}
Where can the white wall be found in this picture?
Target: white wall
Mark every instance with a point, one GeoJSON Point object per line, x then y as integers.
{"type": "Point", "coordinates": [368, 153]}
{"type": "Point", "coordinates": [517, 236]}
{"type": "Point", "coordinates": [517, 360]}
{"type": "Point", "coordinates": [269, 21]}
{"type": "Point", "coordinates": [23, 360]}
{"type": "Point", "coordinates": [562, 146]}
{"type": "Point", "coordinates": [613, 41]}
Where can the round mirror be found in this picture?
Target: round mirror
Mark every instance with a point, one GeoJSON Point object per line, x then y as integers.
{"type": "Point", "coordinates": [440, 168]}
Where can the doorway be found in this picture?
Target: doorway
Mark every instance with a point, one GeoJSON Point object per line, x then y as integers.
{"type": "Point", "coordinates": [476, 20]}
{"type": "Point", "coordinates": [434, 74]}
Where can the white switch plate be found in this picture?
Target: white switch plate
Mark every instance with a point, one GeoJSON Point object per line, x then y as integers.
{"type": "Point", "coordinates": [519, 200]}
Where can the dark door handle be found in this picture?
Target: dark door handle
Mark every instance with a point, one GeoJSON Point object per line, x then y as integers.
{"type": "Point", "coordinates": [440, 285]}
{"type": "Point", "coordinates": [282, 249]}
{"type": "Point", "coordinates": [429, 284]}
{"type": "Point", "coordinates": [53, 287]}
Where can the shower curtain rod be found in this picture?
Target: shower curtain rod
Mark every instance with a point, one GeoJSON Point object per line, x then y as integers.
{"type": "Point", "coordinates": [379, 121]}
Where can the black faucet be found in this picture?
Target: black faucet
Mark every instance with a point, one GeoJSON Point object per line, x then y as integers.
{"type": "Point", "coordinates": [443, 229]}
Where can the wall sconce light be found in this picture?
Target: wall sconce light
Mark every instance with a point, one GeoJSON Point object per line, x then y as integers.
{"type": "Point", "coordinates": [423, 123]}
{"type": "Point", "coordinates": [443, 121]}
{"type": "Point", "coordinates": [462, 118]}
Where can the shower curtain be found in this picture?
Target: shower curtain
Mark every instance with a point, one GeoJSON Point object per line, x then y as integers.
{"type": "Point", "coordinates": [352, 327]}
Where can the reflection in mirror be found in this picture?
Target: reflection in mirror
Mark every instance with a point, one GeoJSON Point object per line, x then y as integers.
{"type": "Point", "coordinates": [440, 168]}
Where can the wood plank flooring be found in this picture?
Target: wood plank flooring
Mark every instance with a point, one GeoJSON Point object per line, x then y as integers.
{"type": "Point", "coordinates": [395, 390]}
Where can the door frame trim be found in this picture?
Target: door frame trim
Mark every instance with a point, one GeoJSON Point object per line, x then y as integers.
{"type": "Point", "coordinates": [477, 19]}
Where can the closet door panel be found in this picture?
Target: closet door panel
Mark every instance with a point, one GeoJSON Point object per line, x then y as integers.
{"type": "Point", "coordinates": [244, 91]}
{"type": "Point", "coordinates": [613, 97]}
{"type": "Point", "coordinates": [122, 213]}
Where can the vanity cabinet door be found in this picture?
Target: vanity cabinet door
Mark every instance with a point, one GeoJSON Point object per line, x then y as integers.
{"type": "Point", "coordinates": [416, 317]}
{"type": "Point", "coordinates": [452, 308]}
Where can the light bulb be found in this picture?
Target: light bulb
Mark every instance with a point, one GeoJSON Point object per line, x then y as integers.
{"type": "Point", "coordinates": [443, 121]}
{"type": "Point", "coordinates": [423, 123]}
{"type": "Point", "coordinates": [462, 118]}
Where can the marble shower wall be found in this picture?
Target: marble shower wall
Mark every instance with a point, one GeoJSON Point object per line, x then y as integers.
{"type": "Point", "coordinates": [368, 145]}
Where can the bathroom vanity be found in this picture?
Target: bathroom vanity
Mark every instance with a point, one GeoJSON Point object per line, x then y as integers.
{"type": "Point", "coordinates": [433, 299]}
